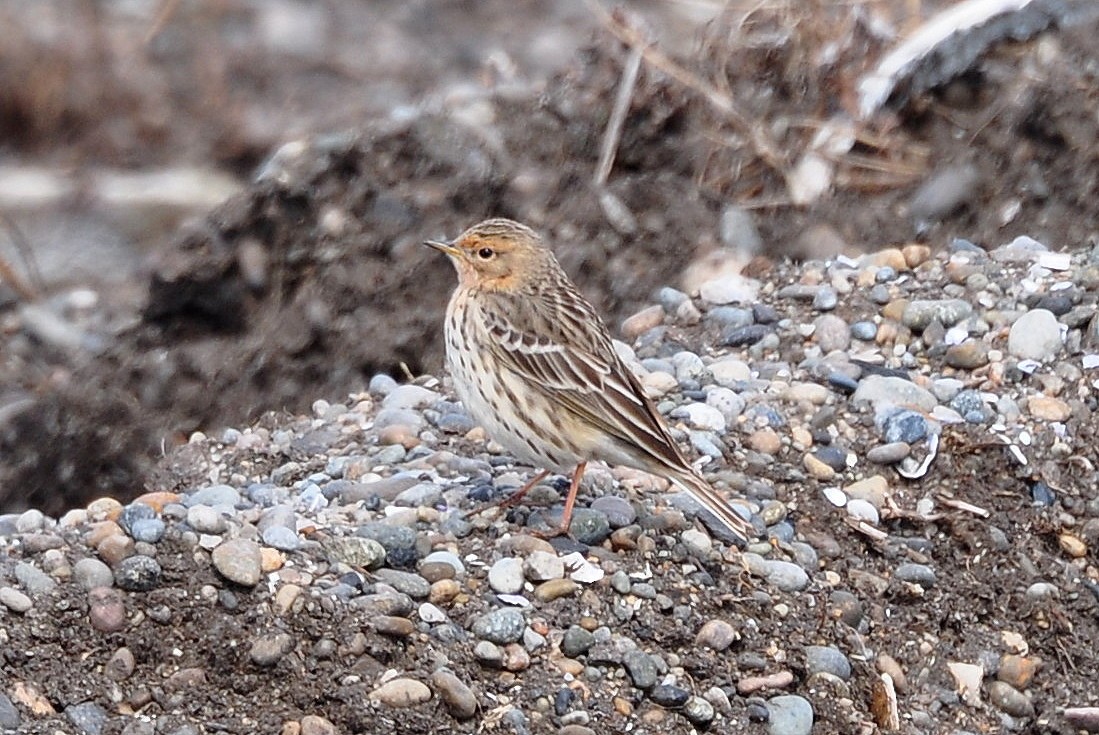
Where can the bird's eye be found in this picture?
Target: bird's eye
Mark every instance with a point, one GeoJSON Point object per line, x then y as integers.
{"type": "Point", "coordinates": [485, 253]}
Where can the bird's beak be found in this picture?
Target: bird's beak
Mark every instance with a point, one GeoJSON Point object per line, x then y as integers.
{"type": "Point", "coordinates": [442, 247]}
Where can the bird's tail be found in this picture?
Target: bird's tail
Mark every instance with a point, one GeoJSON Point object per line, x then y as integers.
{"type": "Point", "coordinates": [702, 491]}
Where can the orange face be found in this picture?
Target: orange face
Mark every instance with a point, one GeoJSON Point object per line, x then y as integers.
{"type": "Point", "coordinates": [492, 261]}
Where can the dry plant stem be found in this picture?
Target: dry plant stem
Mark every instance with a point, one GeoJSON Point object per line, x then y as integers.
{"type": "Point", "coordinates": [763, 146]}
{"type": "Point", "coordinates": [613, 133]}
{"type": "Point", "coordinates": [163, 14]}
{"type": "Point", "coordinates": [9, 275]}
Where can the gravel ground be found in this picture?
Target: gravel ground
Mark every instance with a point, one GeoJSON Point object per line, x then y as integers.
{"type": "Point", "coordinates": [911, 435]}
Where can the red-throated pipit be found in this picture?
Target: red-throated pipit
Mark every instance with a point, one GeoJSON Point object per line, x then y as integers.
{"type": "Point", "coordinates": [534, 364]}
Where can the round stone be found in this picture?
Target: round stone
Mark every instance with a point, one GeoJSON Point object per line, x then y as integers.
{"type": "Point", "coordinates": [501, 626]}
{"type": "Point", "coordinates": [240, 561]}
{"type": "Point", "coordinates": [138, 573]}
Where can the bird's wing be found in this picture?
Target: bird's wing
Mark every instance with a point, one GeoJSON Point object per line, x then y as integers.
{"type": "Point", "coordinates": [566, 350]}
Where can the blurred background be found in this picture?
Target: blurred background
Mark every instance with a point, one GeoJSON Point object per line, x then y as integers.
{"type": "Point", "coordinates": [212, 209]}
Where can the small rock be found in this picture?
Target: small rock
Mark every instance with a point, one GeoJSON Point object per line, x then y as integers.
{"type": "Point", "coordinates": [717, 634]}
{"type": "Point", "coordinates": [555, 588]}
{"type": "Point", "coordinates": [1036, 335]}
{"type": "Point", "coordinates": [138, 573]}
{"type": "Point", "coordinates": [505, 576]}
{"type": "Point", "coordinates": [459, 699]}
{"type": "Point", "coordinates": [501, 626]}
{"type": "Point", "coordinates": [401, 692]}
{"type": "Point", "coordinates": [106, 609]}
{"type": "Point", "coordinates": [1048, 408]}
{"type": "Point", "coordinates": [789, 715]}
{"type": "Point", "coordinates": [15, 600]}
{"type": "Point", "coordinates": [1009, 699]}
{"type": "Point", "coordinates": [268, 650]}
{"type": "Point", "coordinates": [829, 660]}
{"type": "Point", "coordinates": [239, 560]}
{"type": "Point", "coordinates": [669, 695]}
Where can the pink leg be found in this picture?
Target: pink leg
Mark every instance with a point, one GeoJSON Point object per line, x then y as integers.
{"type": "Point", "coordinates": [514, 497]}
{"type": "Point", "coordinates": [570, 502]}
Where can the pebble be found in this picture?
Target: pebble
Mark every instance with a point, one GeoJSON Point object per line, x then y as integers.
{"type": "Point", "coordinates": [15, 600]}
{"type": "Point", "coordinates": [138, 573]}
{"type": "Point", "coordinates": [717, 634]}
{"type": "Point", "coordinates": [88, 717]}
{"type": "Point", "coordinates": [786, 576]}
{"type": "Point", "coordinates": [576, 641]}
{"type": "Point", "coordinates": [269, 649]}
{"type": "Point", "coordinates": [456, 695]}
{"type": "Point", "coordinates": [890, 453]}
{"type": "Point", "coordinates": [33, 579]}
{"type": "Point", "coordinates": [920, 574]}
{"type": "Point", "coordinates": [789, 714]}
{"type": "Point", "coordinates": [827, 660]}
{"type": "Point", "coordinates": [401, 692]}
{"type": "Point", "coordinates": [1010, 700]}
{"type": "Point", "coordinates": [106, 609]}
{"type": "Point", "coordinates": [239, 561]}
{"type": "Point", "coordinates": [504, 625]}
{"type": "Point", "coordinates": [1036, 335]}
{"type": "Point", "coordinates": [541, 566]}
{"type": "Point", "coordinates": [669, 695]}
{"type": "Point", "coordinates": [919, 314]}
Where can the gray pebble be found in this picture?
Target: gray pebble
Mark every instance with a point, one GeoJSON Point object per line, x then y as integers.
{"type": "Point", "coordinates": [890, 453]}
{"type": "Point", "coordinates": [213, 495]}
{"type": "Point", "coordinates": [881, 391]}
{"type": "Point", "coordinates": [787, 576]}
{"type": "Point", "coordinates": [864, 330]}
{"type": "Point", "coordinates": [88, 717]}
{"type": "Point", "coordinates": [355, 551]}
{"type": "Point", "coordinates": [138, 573]}
{"type": "Point", "coordinates": [30, 520]}
{"type": "Point", "coordinates": [281, 538]}
{"type": "Point", "coordinates": [381, 385]}
{"type": "Point", "coordinates": [268, 650]}
{"type": "Point", "coordinates": [669, 695]}
{"type": "Point", "coordinates": [947, 312]}
{"type": "Point", "coordinates": [831, 333]}
{"type": "Point", "coordinates": [489, 654]}
{"type": "Point", "coordinates": [789, 714]}
{"type": "Point", "coordinates": [576, 641]}
{"type": "Point", "coordinates": [33, 579]}
{"type": "Point", "coordinates": [1043, 591]}
{"type": "Point", "coordinates": [743, 336]}
{"type": "Point", "coordinates": [206, 519]}
{"type": "Point", "coordinates": [731, 317]}
{"type": "Point", "coordinates": [424, 494]}
{"type": "Point", "coordinates": [905, 426]}
{"type": "Point", "coordinates": [9, 715]}
{"type": "Point", "coordinates": [706, 443]}
{"type": "Point", "coordinates": [148, 530]}
{"type": "Point", "coordinates": [410, 396]}
{"type": "Point", "coordinates": [90, 573]}
{"type": "Point", "coordinates": [134, 512]}
{"type": "Point", "coordinates": [920, 574]}
{"type": "Point", "coordinates": [455, 422]}
{"type": "Point", "coordinates": [620, 582]}
{"type": "Point", "coordinates": [641, 668]}
{"type": "Point", "coordinates": [826, 299]}
{"type": "Point", "coordinates": [387, 417]}
{"type": "Point", "coordinates": [1009, 699]}
{"type": "Point", "coordinates": [501, 626]}
{"type": "Point", "coordinates": [619, 511]}
{"type": "Point", "coordinates": [447, 557]}
{"type": "Point", "coordinates": [699, 711]}
{"type": "Point", "coordinates": [1036, 335]}
{"type": "Point", "coordinates": [505, 576]}
{"type": "Point", "coordinates": [15, 600]}
{"type": "Point", "coordinates": [390, 454]}
{"type": "Point", "coordinates": [407, 583]}
{"type": "Point", "coordinates": [828, 660]}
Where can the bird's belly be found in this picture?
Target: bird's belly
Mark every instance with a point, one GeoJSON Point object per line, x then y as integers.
{"type": "Point", "coordinates": [524, 422]}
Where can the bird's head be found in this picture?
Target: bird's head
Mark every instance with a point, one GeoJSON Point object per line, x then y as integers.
{"type": "Point", "coordinates": [496, 255]}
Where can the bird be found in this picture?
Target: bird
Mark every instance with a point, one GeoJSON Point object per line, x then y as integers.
{"type": "Point", "coordinates": [534, 364]}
